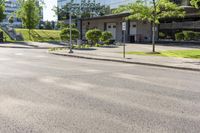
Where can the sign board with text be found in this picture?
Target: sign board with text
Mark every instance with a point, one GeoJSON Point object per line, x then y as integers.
{"type": "Point", "coordinates": [124, 26]}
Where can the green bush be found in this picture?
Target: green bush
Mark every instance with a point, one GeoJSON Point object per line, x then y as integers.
{"type": "Point", "coordinates": [189, 35]}
{"type": "Point", "coordinates": [162, 35]}
{"type": "Point", "coordinates": [106, 36]}
{"type": "Point", "coordinates": [179, 36]}
{"type": "Point", "coordinates": [93, 35]}
{"type": "Point", "coordinates": [98, 45]}
{"type": "Point", "coordinates": [197, 35]}
{"type": "Point", "coordinates": [65, 34]}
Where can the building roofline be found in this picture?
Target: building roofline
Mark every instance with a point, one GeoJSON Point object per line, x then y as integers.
{"type": "Point", "coordinates": [123, 14]}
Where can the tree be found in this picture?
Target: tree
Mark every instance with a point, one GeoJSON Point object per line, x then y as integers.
{"type": "Point", "coordinates": [195, 3]}
{"type": "Point", "coordinates": [152, 12]}
{"type": "Point", "coordinates": [29, 13]}
{"type": "Point", "coordinates": [105, 37]}
{"type": "Point", "coordinates": [65, 34]}
{"type": "Point", "coordinates": [93, 35]}
{"type": "Point", "coordinates": [2, 8]}
{"type": "Point", "coordinates": [84, 9]}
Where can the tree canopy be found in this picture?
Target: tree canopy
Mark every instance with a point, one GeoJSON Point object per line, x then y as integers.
{"type": "Point", "coordinates": [2, 9]}
{"type": "Point", "coordinates": [84, 9]}
{"type": "Point", "coordinates": [141, 10]}
{"type": "Point", "coordinates": [195, 3]}
{"type": "Point", "coordinates": [29, 13]}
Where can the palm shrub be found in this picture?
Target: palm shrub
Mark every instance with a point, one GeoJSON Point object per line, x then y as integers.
{"type": "Point", "coordinates": [93, 35]}
{"type": "Point", "coordinates": [105, 37]}
{"type": "Point", "coordinates": [65, 34]}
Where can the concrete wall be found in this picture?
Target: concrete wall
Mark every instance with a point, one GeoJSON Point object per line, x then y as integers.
{"type": "Point", "coordinates": [144, 31]}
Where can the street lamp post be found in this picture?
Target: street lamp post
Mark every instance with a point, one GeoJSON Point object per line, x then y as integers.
{"type": "Point", "coordinates": [70, 34]}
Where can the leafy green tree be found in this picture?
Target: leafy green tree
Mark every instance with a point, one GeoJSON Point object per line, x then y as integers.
{"type": "Point", "coordinates": [29, 13]}
{"type": "Point", "coordinates": [195, 3]}
{"type": "Point", "coordinates": [65, 34]}
{"type": "Point", "coordinates": [106, 36]}
{"type": "Point", "coordinates": [84, 9]}
{"type": "Point", "coordinates": [2, 8]}
{"type": "Point", "coordinates": [152, 12]}
{"type": "Point", "coordinates": [93, 35]}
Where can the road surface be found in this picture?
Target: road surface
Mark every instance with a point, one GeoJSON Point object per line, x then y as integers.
{"type": "Point", "coordinates": [43, 93]}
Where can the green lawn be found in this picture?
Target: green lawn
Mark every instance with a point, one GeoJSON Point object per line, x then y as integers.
{"type": "Point", "coordinates": [40, 35]}
{"type": "Point", "coordinates": [194, 54]}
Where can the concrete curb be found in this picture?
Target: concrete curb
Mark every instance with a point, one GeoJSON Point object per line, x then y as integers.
{"type": "Point", "coordinates": [29, 47]}
{"type": "Point", "coordinates": [125, 61]}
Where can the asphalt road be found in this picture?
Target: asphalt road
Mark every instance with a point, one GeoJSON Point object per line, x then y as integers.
{"type": "Point", "coordinates": [43, 93]}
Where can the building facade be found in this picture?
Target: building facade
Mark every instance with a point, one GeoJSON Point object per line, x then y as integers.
{"type": "Point", "coordinates": [136, 31]}
{"type": "Point", "coordinates": [11, 6]}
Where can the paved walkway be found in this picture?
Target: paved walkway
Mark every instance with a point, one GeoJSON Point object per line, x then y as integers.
{"type": "Point", "coordinates": [115, 54]}
{"type": "Point", "coordinates": [39, 45]}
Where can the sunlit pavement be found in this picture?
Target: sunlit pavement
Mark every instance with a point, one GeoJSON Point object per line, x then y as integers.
{"type": "Point", "coordinates": [43, 93]}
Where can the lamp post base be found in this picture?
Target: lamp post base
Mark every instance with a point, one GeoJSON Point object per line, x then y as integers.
{"type": "Point", "coordinates": [70, 51]}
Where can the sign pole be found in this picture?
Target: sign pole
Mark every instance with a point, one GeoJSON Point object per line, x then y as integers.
{"type": "Point", "coordinates": [70, 27]}
{"type": "Point", "coordinates": [124, 39]}
{"type": "Point", "coordinates": [124, 49]}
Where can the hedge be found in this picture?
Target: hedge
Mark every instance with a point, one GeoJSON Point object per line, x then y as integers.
{"type": "Point", "coordinates": [187, 36]}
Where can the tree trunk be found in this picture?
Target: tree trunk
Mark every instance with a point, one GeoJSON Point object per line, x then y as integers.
{"type": "Point", "coordinates": [29, 32]}
{"type": "Point", "coordinates": [153, 37]}
{"type": "Point", "coordinates": [154, 27]}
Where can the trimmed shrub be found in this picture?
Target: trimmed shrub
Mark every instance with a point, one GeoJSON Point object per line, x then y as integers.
{"type": "Point", "coordinates": [197, 35]}
{"type": "Point", "coordinates": [93, 35]}
{"type": "Point", "coordinates": [179, 36]}
{"type": "Point", "coordinates": [105, 37]}
{"type": "Point", "coordinates": [189, 35]}
{"type": "Point", "coordinates": [65, 34]}
{"type": "Point", "coordinates": [98, 45]}
{"type": "Point", "coordinates": [162, 35]}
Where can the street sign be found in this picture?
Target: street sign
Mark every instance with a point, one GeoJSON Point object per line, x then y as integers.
{"type": "Point", "coordinates": [124, 26]}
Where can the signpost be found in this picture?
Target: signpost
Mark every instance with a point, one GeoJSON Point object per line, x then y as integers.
{"type": "Point", "coordinates": [124, 38]}
{"type": "Point", "coordinates": [70, 25]}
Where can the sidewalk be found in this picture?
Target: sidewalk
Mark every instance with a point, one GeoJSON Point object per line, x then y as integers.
{"type": "Point", "coordinates": [31, 45]}
{"type": "Point", "coordinates": [115, 55]}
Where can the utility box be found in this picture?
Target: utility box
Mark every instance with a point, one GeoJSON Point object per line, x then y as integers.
{"type": "Point", "coordinates": [1, 36]}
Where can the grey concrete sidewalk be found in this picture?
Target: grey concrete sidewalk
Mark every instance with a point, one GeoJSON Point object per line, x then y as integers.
{"type": "Point", "coordinates": [42, 45]}
{"type": "Point", "coordinates": [114, 54]}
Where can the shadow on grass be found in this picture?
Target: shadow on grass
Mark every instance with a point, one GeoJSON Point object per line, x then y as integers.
{"type": "Point", "coordinates": [35, 36]}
